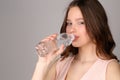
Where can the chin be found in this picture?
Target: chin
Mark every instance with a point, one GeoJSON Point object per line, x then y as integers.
{"type": "Point", "coordinates": [75, 45]}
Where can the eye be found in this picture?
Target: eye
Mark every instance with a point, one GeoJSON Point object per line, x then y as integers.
{"type": "Point", "coordinates": [69, 23]}
{"type": "Point", "coordinates": [81, 22]}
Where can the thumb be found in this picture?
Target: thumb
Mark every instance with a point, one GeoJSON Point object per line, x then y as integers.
{"type": "Point", "coordinates": [61, 49]}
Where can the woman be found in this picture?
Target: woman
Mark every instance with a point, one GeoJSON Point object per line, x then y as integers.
{"type": "Point", "coordinates": [90, 56]}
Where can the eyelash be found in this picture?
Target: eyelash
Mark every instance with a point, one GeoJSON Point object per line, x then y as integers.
{"type": "Point", "coordinates": [80, 23]}
{"type": "Point", "coordinates": [68, 23]}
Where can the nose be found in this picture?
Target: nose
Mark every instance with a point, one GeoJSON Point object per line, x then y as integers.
{"type": "Point", "coordinates": [71, 30]}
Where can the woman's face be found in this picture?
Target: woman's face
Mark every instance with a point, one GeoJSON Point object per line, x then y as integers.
{"type": "Point", "coordinates": [76, 26]}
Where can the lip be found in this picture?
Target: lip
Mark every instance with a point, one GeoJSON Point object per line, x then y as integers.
{"type": "Point", "coordinates": [76, 38]}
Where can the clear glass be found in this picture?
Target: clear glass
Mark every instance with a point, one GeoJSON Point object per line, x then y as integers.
{"type": "Point", "coordinates": [49, 46]}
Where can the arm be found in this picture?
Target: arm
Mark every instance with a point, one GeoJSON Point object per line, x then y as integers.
{"type": "Point", "coordinates": [44, 66]}
{"type": "Point", "coordinates": [113, 71]}
{"type": "Point", "coordinates": [51, 73]}
{"type": "Point", "coordinates": [45, 71]}
{"type": "Point", "coordinates": [40, 70]}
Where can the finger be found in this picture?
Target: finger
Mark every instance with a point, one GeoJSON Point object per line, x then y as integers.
{"type": "Point", "coordinates": [52, 37]}
{"type": "Point", "coordinates": [40, 50]}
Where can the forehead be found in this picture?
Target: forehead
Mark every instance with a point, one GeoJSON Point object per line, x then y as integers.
{"type": "Point", "coordinates": [74, 13]}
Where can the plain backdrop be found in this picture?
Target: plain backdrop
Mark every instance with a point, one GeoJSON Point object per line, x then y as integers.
{"type": "Point", "coordinates": [23, 23]}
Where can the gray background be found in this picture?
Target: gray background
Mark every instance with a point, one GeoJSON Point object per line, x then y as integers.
{"type": "Point", "coordinates": [23, 23]}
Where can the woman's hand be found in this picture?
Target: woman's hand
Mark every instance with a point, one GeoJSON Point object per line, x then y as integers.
{"type": "Point", "coordinates": [45, 62]}
{"type": "Point", "coordinates": [51, 55]}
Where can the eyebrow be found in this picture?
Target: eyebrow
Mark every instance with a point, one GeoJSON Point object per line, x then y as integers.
{"type": "Point", "coordinates": [76, 19]}
{"type": "Point", "coordinates": [79, 19]}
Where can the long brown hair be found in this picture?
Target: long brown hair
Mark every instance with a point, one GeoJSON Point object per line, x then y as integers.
{"type": "Point", "coordinates": [96, 25]}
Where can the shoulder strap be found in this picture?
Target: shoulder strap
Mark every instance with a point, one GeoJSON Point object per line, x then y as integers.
{"type": "Point", "coordinates": [62, 67]}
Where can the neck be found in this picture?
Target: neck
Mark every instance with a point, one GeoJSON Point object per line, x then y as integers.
{"type": "Point", "coordinates": [87, 53]}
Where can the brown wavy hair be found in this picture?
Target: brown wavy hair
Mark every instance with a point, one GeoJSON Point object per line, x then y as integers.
{"type": "Point", "coordinates": [96, 22]}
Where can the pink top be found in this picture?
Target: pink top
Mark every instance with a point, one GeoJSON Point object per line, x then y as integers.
{"type": "Point", "coordinates": [96, 72]}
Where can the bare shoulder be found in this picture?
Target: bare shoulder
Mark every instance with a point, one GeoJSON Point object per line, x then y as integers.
{"type": "Point", "coordinates": [113, 70]}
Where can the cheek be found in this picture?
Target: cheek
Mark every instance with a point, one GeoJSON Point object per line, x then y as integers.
{"type": "Point", "coordinates": [83, 38]}
{"type": "Point", "coordinates": [84, 35]}
{"type": "Point", "coordinates": [68, 29]}
{"type": "Point", "coordinates": [82, 30]}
